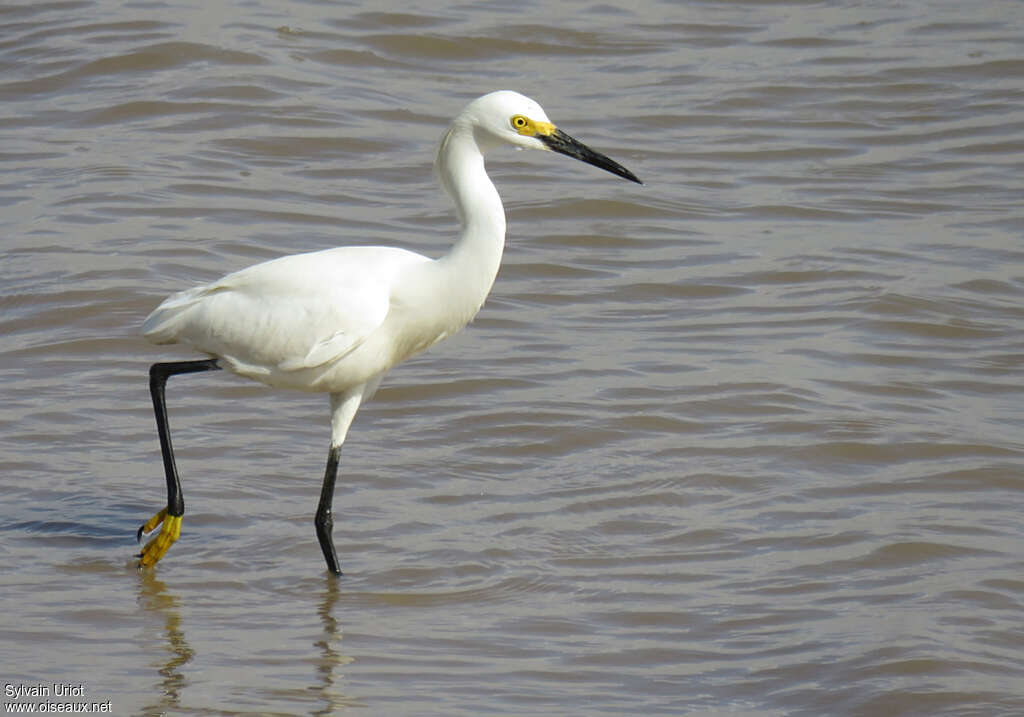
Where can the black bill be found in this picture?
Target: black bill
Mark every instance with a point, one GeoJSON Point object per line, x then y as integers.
{"type": "Point", "coordinates": [559, 141]}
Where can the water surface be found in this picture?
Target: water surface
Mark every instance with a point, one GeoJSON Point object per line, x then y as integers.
{"type": "Point", "coordinates": [746, 440]}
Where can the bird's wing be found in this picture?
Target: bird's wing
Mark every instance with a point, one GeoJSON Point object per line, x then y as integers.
{"type": "Point", "coordinates": [287, 314]}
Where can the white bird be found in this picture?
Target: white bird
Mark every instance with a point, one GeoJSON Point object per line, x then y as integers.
{"type": "Point", "coordinates": [336, 321]}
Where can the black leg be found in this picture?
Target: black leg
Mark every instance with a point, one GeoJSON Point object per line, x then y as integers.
{"type": "Point", "coordinates": [323, 521]}
{"type": "Point", "coordinates": [158, 375]}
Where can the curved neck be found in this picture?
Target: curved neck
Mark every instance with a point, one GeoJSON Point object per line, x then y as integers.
{"type": "Point", "coordinates": [474, 259]}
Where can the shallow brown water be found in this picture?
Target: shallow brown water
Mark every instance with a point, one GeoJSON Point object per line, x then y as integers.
{"type": "Point", "coordinates": [746, 440]}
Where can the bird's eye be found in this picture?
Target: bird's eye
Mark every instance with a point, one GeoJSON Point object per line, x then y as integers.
{"type": "Point", "coordinates": [520, 123]}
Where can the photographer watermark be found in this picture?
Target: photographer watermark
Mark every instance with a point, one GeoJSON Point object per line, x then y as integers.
{"type": "Point", "coordinates": [51, 697]}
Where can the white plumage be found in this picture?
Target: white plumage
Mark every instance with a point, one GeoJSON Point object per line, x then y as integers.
{"type": "Point", "coordinates": [313, 322]}
{"type": "Point", "coordinates": [336, 321]}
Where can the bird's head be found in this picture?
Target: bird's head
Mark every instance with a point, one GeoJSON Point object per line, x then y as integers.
{"type": "Point", "coordinates": [506, 117]}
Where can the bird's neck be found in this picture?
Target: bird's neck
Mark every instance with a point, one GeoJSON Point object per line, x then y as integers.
{"type": "Point", "coordinates": [473, 261]}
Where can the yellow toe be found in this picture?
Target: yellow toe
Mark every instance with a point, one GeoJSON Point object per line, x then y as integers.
{"type": "Point", "coordinates": [151, 524]}
{"type": "Point", "coordinates": [162, 542]}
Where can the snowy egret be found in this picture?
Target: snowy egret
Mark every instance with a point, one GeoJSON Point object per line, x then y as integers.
{"type": "Point", "coordinates": [336, 321]}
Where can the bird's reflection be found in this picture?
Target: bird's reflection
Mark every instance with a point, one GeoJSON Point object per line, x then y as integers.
{"type": "Point", "coordinates": [175, 652]}
{"type": "Point", "coordinates": [172, 651]}
{"type": "Point", "coordinates": [331, 658]}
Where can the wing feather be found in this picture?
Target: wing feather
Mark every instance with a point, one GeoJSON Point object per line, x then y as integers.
{"type": "Point", "coordinates": [288, 314]}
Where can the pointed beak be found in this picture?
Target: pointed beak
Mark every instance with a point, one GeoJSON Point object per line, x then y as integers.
{"type": "Point", "coordinates": [558, 141]}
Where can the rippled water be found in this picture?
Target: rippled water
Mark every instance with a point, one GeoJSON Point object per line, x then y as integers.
{"type": "Point", "coordinates": [746, 440]}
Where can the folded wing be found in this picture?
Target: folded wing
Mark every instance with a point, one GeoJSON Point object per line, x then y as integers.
{"type": "Point", "coordinates": [289, 314]}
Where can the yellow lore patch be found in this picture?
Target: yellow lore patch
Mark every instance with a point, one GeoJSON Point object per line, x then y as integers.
{"type": "Point", "coordinates": [531, 128]}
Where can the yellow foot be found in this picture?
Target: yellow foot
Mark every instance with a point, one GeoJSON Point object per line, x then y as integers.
{"type": "Point", "coordinates": [158, 546]}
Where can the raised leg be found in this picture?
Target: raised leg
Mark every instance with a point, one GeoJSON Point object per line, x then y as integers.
{"type": "Point", "coordinates": [170, 516]}
{"type": "Point", "coordinates": [324, 521]}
